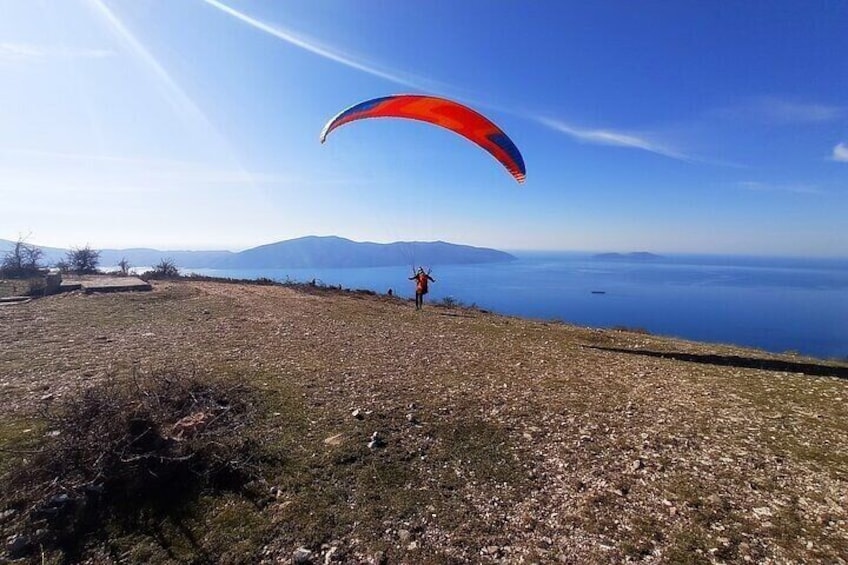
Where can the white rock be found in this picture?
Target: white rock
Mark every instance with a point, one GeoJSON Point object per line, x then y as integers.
{"type": "Point", "coordinates": [301, 556]}
{"type": "Point", "coordinates": [376, 441]}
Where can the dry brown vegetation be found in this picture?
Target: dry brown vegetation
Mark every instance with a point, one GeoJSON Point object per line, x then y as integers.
{"type": "Point", "coordinates": [498, 439]}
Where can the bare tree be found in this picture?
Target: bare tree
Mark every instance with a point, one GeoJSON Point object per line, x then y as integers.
{"type": "Point", "coordinates": [22, 261]}
{"type": "Point", "coordinates": [124, 266]}
{"type": "Point", "coordinates": [83, 261]}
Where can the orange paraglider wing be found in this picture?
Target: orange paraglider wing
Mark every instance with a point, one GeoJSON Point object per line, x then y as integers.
{"type": "Point", "coordinates": [441, 112]}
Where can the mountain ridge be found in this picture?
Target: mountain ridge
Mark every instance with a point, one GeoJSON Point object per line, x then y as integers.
{"type": "Point", "coordinates": [309, 251]}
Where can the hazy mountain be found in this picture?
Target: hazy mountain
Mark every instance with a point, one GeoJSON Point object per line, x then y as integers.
{"type": "Point", "coordinates": [304, 252]}
{"type": "Point", "coordinates": [635, 256]}
{"type": "Point", "coordinates": [137, 257]}
{"type": "Point", "coordinates": [338, 252]}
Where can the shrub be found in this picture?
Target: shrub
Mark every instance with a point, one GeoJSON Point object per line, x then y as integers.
{"type": "Point", "coordinates": [629, 329]}
{"type": "Point", "coordinates": [82, 261]}
{"type": "Point", "coordinates": [123, 451]}
{"type": "Point", "coordinates": [124, 267]}
{"type": "Point", "coordinates": [450, 302]}
{"type": "Point", "coordinates": [166, 269]}
{"type": "Point", "coordinates": [22, 261]}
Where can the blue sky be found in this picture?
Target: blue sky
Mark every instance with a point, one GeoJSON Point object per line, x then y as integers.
{"type": "Point", "coordinates": [713, 127]}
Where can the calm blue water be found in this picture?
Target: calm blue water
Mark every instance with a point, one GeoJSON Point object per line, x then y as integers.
{"type": "Point", "coordinates": [773, 304]}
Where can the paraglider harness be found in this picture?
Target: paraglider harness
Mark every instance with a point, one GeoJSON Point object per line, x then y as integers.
{"type": "Point", "coordinates": [421, 277]}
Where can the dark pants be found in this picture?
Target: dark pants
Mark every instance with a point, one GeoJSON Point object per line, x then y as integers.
{"type": "Point", "coordinates": [419, 300]}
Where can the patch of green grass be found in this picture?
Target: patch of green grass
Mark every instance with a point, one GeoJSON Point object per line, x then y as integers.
{"type": "Point", "coordinates": [791, 530]}
{"type": "Point", "coordinates": [688, 547]}
{"type": "Point", "coordinates": [482, 450]}
{"type": "Point", "coordinates": [695, 498]}
{"type": "Point", "coordinates": [331, 492]}
{"type": "Point", "coordinates": [646, 533]}
{"type": "Point", "coordinates": [226, 529]}
{"type": "Point", "coordinates": [825, 457]}
{"type": "Point", "coordinates": [346, 485]}
{"type": "Point", "coordinates": [599, 513]}
{"type": "Point", "coordinates": [20, 438]}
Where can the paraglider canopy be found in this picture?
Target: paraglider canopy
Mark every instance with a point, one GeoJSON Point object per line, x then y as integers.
{"type": "Point", "coordinates": [441, 112]}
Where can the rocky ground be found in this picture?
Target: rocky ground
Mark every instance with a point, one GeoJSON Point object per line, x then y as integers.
{"type": "Point", "coordinates": [454, 435]}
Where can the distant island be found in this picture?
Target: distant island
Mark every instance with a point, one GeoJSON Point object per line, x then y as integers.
{"type": "Point", "coordinates": [327, 252]}
{"type": "Point", "coordinates": [634, 256]}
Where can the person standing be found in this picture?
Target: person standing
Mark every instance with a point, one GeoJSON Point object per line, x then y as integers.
{"type": "Point", "coordinates": [422, 280]}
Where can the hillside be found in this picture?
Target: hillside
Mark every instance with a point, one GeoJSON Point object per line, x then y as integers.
{"type": "Point", "coordinates": [338, 252]}
{"type": "Point", "coordinates": [500, 439]}
{"type": "Point", "coordinates": [329, 252]}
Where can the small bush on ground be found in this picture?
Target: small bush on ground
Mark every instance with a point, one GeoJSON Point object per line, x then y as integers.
{"type": "Point", "coordinates": [450, 302]}
{"type": "Point", "coordinates": [630, 330]}
{"type": "Point", "coordinates": [124, 267]}
{"type": "Point", "coordinates": [82, 261]}
{"type": "Point", "coordinates": [124, 452]}
{"type": "Point", "coordinates": [166, 269]}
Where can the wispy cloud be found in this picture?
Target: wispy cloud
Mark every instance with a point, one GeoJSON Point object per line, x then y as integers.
{"type": "Point", "coordinates": [615, 138]}
{"type": "Point", "coordinates": [840, 152]}
{"type": "Point", "coordinates": [799, 113]}
{"type": "Point", "coordinates": [777, 111]}
{"type": "Point", "coordinates": [28, 52]}
{"type": "Point", "coordinates": [47, 172]}
{"type": "Point", "coordinates": [328, 52]}
{"type": "Point", "coordinates": [757, 186]}
{"type": "Point", "coordinates": [184, 105]}
{"type": "Point", "coordinates": [597, 136]}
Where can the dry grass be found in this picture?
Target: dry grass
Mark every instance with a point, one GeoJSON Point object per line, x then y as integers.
{"type": "Point", "coordinates": [502, 439]}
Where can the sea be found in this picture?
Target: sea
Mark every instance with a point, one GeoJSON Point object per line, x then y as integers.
{"type": "Point", "coordinates": [776, 304]}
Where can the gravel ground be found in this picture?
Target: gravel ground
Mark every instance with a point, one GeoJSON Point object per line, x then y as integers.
{"type": "Point", "coordinates": [498, 439]}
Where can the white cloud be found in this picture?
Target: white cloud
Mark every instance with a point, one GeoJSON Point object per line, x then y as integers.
{"type": "Point", "coordinates": [757, 186]}
{"type": "Point", "coordinates": [601, 137]}
{"type": "Point", "coordinates": [327, 52]}
{"type": "Point", "coordinates": [28, 52]}
{"type": "Point", "coordinates": [615, 138]}
{"type": "Point", "coordinates": [840, 152]}
{"type": "Point", "coordinates": [53, 172]}
{"type": "Point", "coordinates": [776, 111]}
{"type": "Point", "coordinates": [783, 111]}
